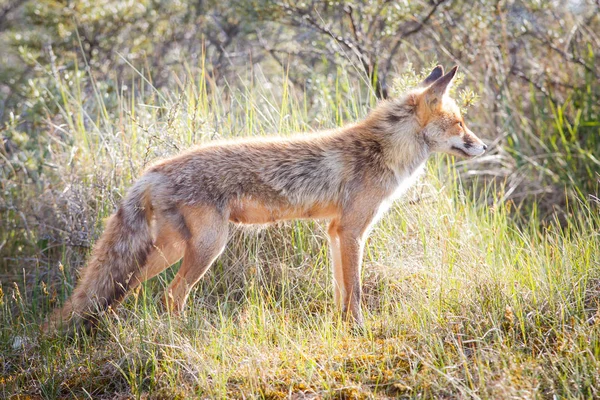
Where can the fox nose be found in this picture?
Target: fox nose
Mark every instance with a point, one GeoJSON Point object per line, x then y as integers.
{"type": "Point", "coordinates": [484, 147]}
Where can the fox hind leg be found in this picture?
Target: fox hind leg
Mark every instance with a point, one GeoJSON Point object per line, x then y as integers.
{"type": "Point", "coordinates": [209, 232]}
{"type": "Point", "coordinates": [168, 248]}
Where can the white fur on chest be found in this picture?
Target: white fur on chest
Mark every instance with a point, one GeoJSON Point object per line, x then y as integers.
{"type": "Point", "coordinates": [403, 182]}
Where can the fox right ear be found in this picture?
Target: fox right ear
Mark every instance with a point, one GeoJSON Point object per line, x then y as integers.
{"type": "Point", "coordinates": [437, 73]}
{"type": "Point", "coordinates": [437, 90]}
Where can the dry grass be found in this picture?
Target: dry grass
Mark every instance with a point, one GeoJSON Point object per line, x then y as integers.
{"type": "Point", "coordinates": [460, 301]}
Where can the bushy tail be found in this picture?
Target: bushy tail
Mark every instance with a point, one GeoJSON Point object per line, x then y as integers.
{"type": "Point", "coordinates": [122, 249]}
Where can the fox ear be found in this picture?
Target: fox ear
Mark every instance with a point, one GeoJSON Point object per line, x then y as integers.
{"type": "Point", "coordinates": [437, 72]}
{"type": "Point", "coordinates": [437, 90]}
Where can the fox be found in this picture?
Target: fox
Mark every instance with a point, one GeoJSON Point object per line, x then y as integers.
{"type": "Point", "coordinates": [183, 207]}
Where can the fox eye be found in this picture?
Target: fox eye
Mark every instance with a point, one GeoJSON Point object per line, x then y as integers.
{"type": "Point", "coordinates": [461, 124]}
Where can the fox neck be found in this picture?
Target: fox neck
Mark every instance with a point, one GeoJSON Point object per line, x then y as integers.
{"type": "Point", "coordinates": [396, 126]}
{"type": "Point", "coordinates": [406, 152]}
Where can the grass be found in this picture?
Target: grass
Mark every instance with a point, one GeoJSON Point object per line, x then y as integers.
{"type": "Point", "coordinates": [459, 300]}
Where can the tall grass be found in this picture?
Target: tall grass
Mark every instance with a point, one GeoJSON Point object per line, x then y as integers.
{"type": "Point", "coordinates": [459, 301]}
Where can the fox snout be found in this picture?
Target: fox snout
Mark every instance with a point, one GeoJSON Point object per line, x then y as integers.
{"type": "Point", "coordinates": [468, 145]}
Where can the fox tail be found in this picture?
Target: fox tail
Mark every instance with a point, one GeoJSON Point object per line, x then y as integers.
{"type": "Point", "coordinates": [119, 253]}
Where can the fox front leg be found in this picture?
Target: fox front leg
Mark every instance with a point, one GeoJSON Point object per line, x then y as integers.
{"type": "Point", "coordinates": [350, 234]}
{"type": "Point", "coordinates": [351, 249]}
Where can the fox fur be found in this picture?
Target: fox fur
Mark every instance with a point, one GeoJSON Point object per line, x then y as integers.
{"type": "Point", "coordinates": [182, 206]}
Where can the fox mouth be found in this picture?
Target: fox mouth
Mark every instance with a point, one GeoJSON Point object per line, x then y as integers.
{"type": "Point", "coordinates": [461, 151]}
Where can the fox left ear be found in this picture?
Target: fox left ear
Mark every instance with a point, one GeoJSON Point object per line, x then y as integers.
{"type": "Point", "coordinates": [435, 92]}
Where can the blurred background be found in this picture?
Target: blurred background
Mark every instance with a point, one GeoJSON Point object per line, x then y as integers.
{"type": "Point", "coordinates": [91, 91]}
{"type": "Point", "coordinates": [483, 281]}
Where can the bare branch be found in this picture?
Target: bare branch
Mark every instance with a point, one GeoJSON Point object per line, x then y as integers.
{"type": "Point", "coordinates": [408, 32]}
{"type": "Point", "coordinates": [567, 56]}
{"type": "Point", "coordinates": [355, 28]}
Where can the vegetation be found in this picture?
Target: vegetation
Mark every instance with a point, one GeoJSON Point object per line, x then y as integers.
{"type": "Point", "coordinates": [482, 282]}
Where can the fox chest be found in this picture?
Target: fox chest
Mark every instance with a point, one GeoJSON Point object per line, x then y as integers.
{"type": "Point", "coordinates": [398, 187]}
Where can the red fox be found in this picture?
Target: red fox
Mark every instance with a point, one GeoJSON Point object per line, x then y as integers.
{"type": "Point", "coordinates": [181, 207]}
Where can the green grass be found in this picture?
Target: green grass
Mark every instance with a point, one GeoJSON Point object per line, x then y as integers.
{"type": "Point", "coordinates": [459, 300]}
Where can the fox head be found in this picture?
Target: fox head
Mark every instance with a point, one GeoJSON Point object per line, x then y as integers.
{"type": "Point", "coordinates": [442, 125]}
